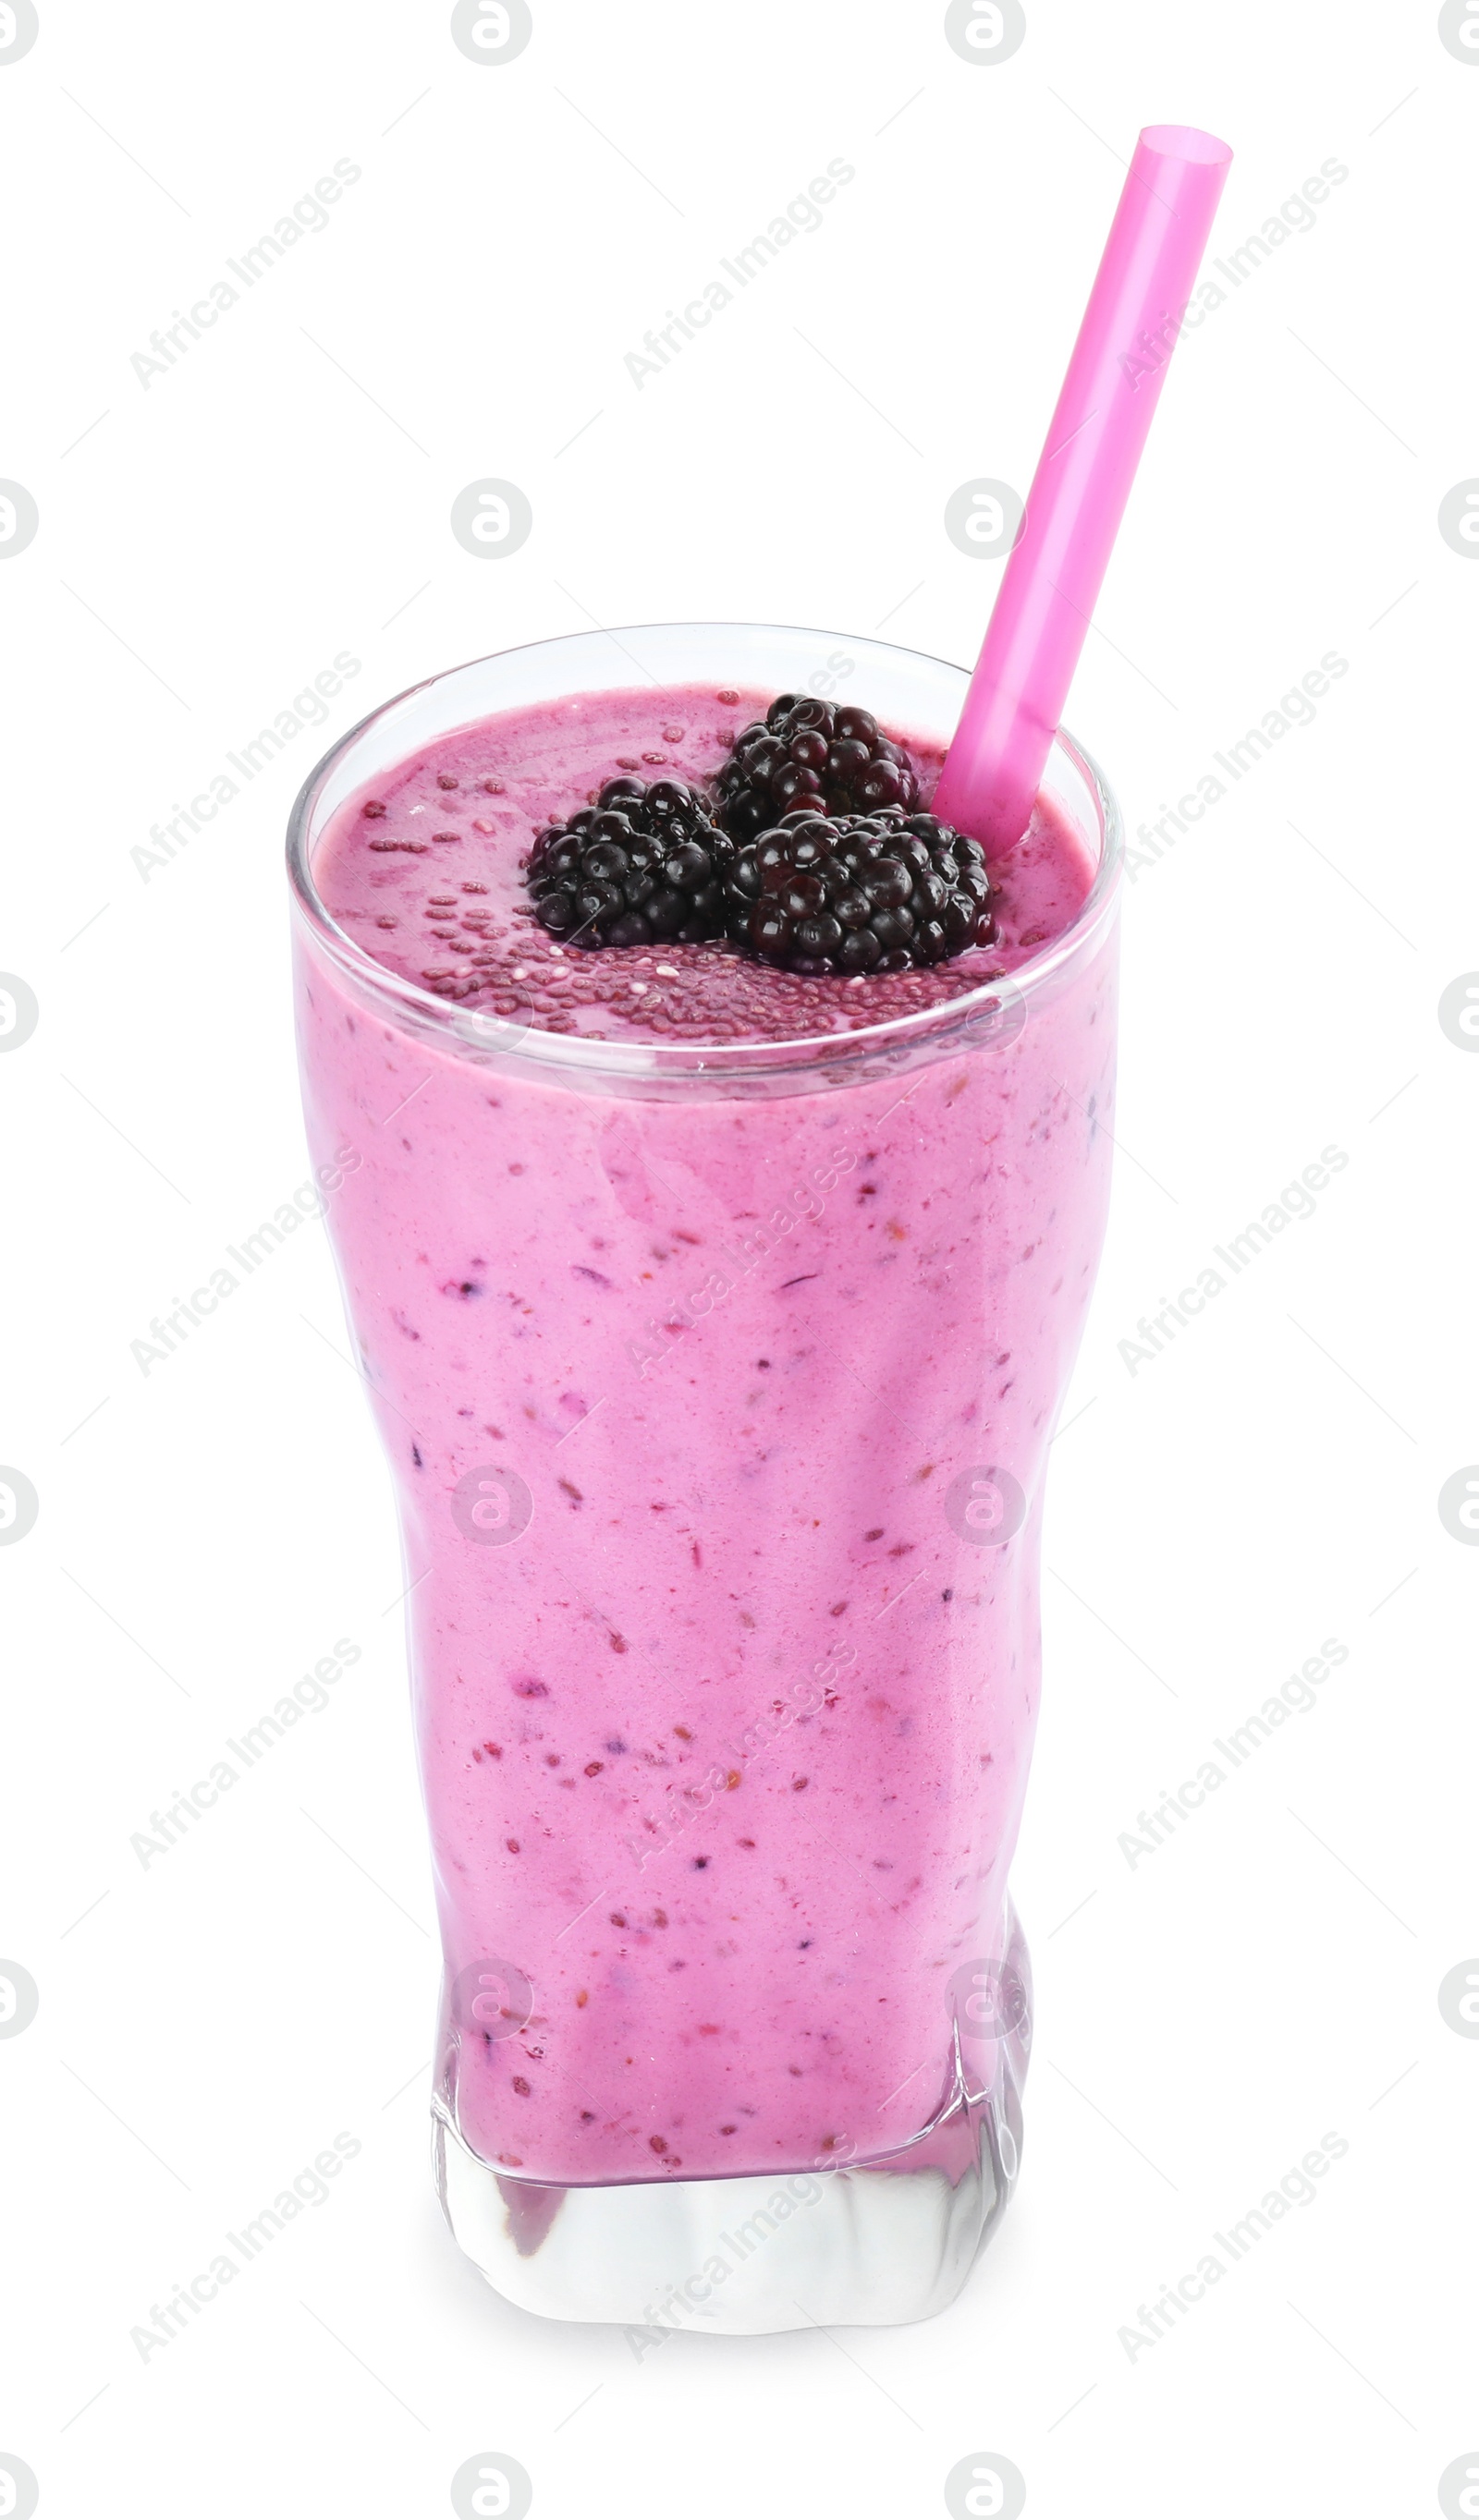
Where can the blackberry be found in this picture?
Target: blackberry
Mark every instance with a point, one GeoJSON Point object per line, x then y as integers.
{"type": "Point", "coordinates": [860, 892]}
{"type": "Point", "coordinates": [806, 753]}
{"type": "Point", "coordinates": [641, 865]}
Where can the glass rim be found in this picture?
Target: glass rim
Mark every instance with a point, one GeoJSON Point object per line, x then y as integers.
{"type": "Point", "coordinates": [465, 1031]}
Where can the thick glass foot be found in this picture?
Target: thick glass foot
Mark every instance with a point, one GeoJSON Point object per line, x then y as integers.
{"type": "Point", "coordinates": [867, 2244]}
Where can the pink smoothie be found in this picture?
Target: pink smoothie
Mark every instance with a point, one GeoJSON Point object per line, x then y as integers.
{"type": "Point", "coordinates": [724, 1697]}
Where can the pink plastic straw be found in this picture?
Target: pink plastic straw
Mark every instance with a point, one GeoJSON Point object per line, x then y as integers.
{"type": "Point", "coordinates": [1054, 576]}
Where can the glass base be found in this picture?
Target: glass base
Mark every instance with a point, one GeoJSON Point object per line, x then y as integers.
{"type": "Point", "coordinates": [875, 2243]}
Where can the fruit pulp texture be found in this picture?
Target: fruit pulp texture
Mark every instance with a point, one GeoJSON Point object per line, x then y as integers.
{"type": "Point", "coordinates": [724, 1745]}
{"type": "Point", "coordinates": [424, 870]}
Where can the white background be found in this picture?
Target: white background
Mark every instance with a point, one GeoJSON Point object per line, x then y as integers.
{"type": "Point", "coordinates": [207, 1531]}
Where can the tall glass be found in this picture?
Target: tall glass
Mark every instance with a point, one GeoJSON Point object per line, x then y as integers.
{"type": "Point", "coordinates": [720, 1505]}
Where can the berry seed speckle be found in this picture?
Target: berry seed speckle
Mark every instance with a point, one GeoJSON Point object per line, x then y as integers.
{"type": "Point", "coordinates": [561, 1285]}
{"type": "Point", "coordinates": [674, 900]}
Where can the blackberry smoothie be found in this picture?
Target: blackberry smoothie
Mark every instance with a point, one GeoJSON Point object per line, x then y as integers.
{"type": "Point", "coordinates": [715, 1317]}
